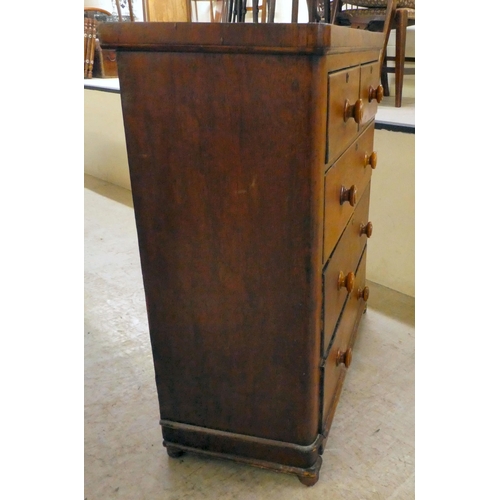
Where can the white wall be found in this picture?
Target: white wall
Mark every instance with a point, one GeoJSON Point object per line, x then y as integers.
{"type": "Point", "coordinates": [391, 248]}
{"type": "Point", "coordinates": [104, 138]}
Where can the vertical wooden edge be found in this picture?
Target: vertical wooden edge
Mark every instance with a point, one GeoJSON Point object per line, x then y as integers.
{"type": "Point", "coordinates": [188, 13]}
{"type": "Point", "coordinates": [318, 126]}
{"type": "Point", "coordinates": [145, 9]}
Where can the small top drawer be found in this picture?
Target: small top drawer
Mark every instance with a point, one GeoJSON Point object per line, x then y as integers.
{"type": "Point", "coordinates": [343, 90]}
{"type": "Point", "coordinates": [345, 183]}
{"type": "Point", "coordinates": [370, 92]}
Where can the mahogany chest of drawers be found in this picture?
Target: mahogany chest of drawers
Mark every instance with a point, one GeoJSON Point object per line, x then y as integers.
{"type": "Point", "coordinates": [250, 150]}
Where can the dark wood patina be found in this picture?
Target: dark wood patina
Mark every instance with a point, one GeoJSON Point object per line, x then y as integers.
{"type": "Point", "coordinates": [236, 174]}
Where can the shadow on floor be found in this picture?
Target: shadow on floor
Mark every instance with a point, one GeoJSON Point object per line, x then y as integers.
{"type": "Point", "coordinates": [390, 303]}
{"type": "Point", "coordinates": [115, 193]}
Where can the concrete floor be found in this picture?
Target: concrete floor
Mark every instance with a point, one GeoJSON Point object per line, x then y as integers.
{"type": "Point", "coordinates": [371, 449]}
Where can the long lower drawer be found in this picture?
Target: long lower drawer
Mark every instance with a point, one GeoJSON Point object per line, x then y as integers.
{"type": "Point", "coordinates": [340, 354]}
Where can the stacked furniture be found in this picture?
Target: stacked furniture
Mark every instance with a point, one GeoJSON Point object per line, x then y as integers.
{"type": "Point", "coordinates": [250, 149]}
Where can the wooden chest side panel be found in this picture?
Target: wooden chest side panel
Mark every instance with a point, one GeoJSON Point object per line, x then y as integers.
{"type": "Point", "coordinates": [227, 241]}
{"type": "Point", "coordinates": [343, 86]}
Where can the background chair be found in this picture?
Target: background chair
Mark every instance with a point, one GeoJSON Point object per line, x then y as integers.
{"type": "Point", "coordinates": [91, 10]}
{"type": "Point", "coordinates": [214, 12]}
{"type": "Point", "coordinates": [97, 62]}
{"type": "Point", "coordinates": [236, 10]}
{"type": "Point", "coordinates": [371, 15]}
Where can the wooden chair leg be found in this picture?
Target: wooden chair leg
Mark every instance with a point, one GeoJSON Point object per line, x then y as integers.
{"type": "Point", "coordinates": [295, 10]}
{"type": "Point", "coordinates": [326, 11]}
{"type": "Point", "coordinates": [196, 10]}
{"type": "Point", "coordinates": [312, 8]}
{"type": "Point", "coordinates": [219, 15]}
{"type": "Point", "coordinates": [230, 6]}
{"type": "Point", "coordinates": [272, 10]}
{"type": "Point", "coordinates": [212, 17]}
{"type": "Point", "coordinates": [384, 80]}
{"type": "Point", "coordinates": [401, 27]}
{"type": "Point", "coordinates": [255, 11]}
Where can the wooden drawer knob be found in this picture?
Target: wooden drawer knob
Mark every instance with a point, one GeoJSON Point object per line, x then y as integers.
{"type": "Point", "coordinates": [364, 293]}
{"type": "Point", "coordinates": [366, 229]}
{"type": "Point", "coordinates": [346, 281]}
{"type": "Point", "coordinates": [353, 110]}
{"type": "Point", "coordinates": [371, 160]}
{"type": "Point", "coordinates": [344, 357]}
{"type": "Point", "coordinates": [377, 93]}
{"type": "Point", "coordinates": [348, 195]}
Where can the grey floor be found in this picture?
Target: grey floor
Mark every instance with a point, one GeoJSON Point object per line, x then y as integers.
{"type": "Point", "coordinates": [370, 451]}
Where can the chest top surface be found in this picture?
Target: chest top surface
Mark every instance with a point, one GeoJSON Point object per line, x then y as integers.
{"type": "Point", "coordinates": [246, 37]}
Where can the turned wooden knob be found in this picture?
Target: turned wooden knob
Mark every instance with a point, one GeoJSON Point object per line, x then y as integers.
{"type": "Point", "coordinates": [371, 160]}
{"type": "Point", "coordinates": [344, 357]}
{"type": "Point", "coordinates": [377, 93]}
{"type": "Point", "coordinates": [366, 229]}
{"type": "Point", "coordinates": [348, 195]}
{"type": "Point", "coordinates": [353, 110]}
{"type": "Point", "coordinates": [346, 281]}
{"type": "Point", "coordinates": [364, 293]}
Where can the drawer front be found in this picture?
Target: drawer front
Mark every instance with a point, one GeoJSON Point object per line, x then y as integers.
{"type": "Point", "coordinates": [370, 79]}
{"type": "Point", "coordinates": [350, 170]}
{"type": "Point", "coordinates": [338, 359]}
{"type": "Point", "coordinates": [343, 86]}
{"type": "Point", "coordinates": [344, 261]}
{"type": "Point", "coordinates": [358, 299]}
